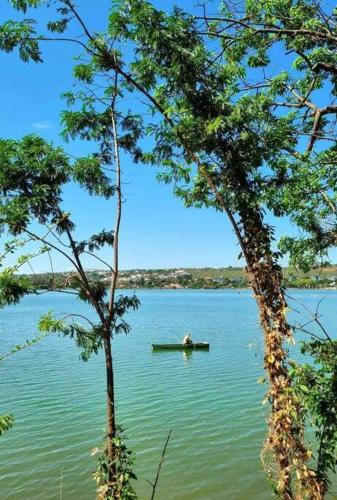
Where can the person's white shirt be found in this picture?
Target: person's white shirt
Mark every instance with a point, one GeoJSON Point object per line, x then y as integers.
{"type": "Point", "coordinates": [187, 339]}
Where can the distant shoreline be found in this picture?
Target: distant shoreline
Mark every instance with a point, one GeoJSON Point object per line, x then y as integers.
{"type": "Point", "coordinates": [230, 278]}
{"type": "Point", "coordinates": [223, 288]}
{"type": "Point", "coordinates": [194, 288]}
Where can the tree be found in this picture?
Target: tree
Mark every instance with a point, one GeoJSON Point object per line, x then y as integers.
{"type": "Point", "coordinates": [94, 117]}
{"type": "Point", "coordinates": [33, 174]}
{"type": "Point", "coordinates": [305, 87]}
{"type": "Point", "coordinates": [229, 139]}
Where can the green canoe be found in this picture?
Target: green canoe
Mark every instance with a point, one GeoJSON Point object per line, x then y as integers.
{"type": "Point", "coordinates": [196, 345]}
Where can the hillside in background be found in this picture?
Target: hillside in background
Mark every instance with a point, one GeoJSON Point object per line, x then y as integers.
{"type": "Point", "coordinates": [226, 277]}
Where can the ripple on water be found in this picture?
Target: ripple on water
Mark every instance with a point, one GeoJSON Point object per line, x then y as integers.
{"type": "Point", "coordinates": [210, 400]}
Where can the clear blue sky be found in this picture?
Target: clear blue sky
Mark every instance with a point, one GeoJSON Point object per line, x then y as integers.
{"type": "Point", "coordinates": [157, 231]}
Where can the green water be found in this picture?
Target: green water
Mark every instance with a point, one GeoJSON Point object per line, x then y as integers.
{"type": "Point", "coordinates": [210, 400]}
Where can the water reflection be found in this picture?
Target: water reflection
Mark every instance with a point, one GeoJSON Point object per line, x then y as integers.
{"type": "Point", "coordinates": [187, 356]}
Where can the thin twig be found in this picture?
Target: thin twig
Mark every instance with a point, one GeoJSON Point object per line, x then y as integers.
{"type": "Point", "coordinates": [73, 315]}
{"type": "Point", "coordinates": [20, 347]}
{"type": "Point", "coordinates": [154, 485]}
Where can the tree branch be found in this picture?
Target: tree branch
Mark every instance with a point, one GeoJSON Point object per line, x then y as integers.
{"type": "Point", "coordinates": [160, 465]}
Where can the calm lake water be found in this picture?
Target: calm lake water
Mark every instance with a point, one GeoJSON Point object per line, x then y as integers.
{"type": "Point", "coordinates": [210, 400]}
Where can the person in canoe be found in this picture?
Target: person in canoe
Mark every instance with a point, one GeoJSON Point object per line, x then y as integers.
{"type": "Point", "coordinates": [187, 339]}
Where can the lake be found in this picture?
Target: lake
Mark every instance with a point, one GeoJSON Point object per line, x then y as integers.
{"type": "Point", "coordinates": [210, 400]}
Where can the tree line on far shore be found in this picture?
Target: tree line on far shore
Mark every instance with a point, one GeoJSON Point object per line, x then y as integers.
{"type": "Point", "coordinates": [205, 278]}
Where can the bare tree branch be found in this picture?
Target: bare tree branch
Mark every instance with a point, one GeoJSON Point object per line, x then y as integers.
{"type": "Point", "coordinates": [154, 485]}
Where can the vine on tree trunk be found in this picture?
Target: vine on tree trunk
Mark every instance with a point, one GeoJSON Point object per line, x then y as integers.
{"type": "Point", "coordinates": [285, 432]}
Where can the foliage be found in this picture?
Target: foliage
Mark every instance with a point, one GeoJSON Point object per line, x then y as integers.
{"type": "Point", "coordinates": [6, 422]}
{"type": "Point", "coordinates": [96, 241]}
{"type": "Point", "coordinates": [17, 34]}
{"type": "Point", "coordinates": [89, 340]}
{"type": "Point", "coordinates": [20, 347]}
{"type": "Point", "coordinates": [304, 92]}
{"type": "Point", "coordinates": [13, 288]}
{"type": "Point", "coordinates": [316, 386]}
{"type": "Point", "coordinates": [124, 461]}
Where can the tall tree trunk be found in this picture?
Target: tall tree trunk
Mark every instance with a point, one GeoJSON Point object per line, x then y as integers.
{"type": "Point", "coordinates": [110, 402]}
{"type": "Point", "coordinates": [111, 413]}
{"type": "Point", "coordinates": [285, 434]}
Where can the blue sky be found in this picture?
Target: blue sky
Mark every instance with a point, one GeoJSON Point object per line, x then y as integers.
{"type": "Point", "coordinates": [157, 231]}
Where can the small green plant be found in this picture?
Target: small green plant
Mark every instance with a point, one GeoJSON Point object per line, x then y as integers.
{"type": "Point", "coordinates": [315, 384]}
{"type": "Point", "coordinates": [120, 487]}
{"type": "Point", "coordinates": [6, 422]}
